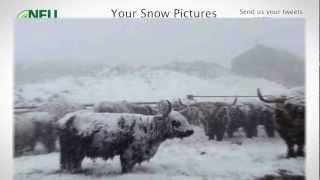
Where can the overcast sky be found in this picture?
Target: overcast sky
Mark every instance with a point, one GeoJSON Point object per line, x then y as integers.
{"type": "Point", "coordinates": [150, 42]}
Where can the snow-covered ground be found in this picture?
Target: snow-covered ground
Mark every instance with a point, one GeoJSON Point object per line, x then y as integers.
{"type": "Point", "coordinates": [193, 158]}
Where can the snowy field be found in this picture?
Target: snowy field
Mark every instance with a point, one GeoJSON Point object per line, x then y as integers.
{"type": "Point", "coordinates": [144, 86]}
{"type": "Point", "coordinates": [193, 158]}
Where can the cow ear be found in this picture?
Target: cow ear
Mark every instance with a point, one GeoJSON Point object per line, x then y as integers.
{"type": "Point", "coordinates": [169, 109]}
{"type": "Point", "coordinates": [164, 108]}
{"type": "Point", "coordinates": [70, 122]}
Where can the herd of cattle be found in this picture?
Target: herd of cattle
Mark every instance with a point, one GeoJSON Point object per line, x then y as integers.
{"type": "Point", "coordinates": [135, 131]}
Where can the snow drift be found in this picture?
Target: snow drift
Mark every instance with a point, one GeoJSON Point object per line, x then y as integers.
{"type": "Point", "coordinates": [144, 85]}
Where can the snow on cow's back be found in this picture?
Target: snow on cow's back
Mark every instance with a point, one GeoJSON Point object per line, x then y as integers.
{"type": "Point", "coordinates": [86, 122]}
{"type": "Point", "coordinates": [59, 109]}
{"type": "Point", "coordinates": [36, 117]}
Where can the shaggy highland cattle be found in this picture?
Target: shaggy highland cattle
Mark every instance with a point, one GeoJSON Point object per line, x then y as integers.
{"type": "Point", "coordinates": [33, 127]}
{"type": "Point", "coordinates": [39, 126]}
{"type": "Point", "coordinates": [290, 121]}
{"type": "Point", "coordinates": [249, 115]}
{"type": "Point", "coordinates": [266, 117]}
{"type": "Point", "coordinates": [59, 109]}
{"type": "Point", "coordinates": [135, 137]}
{"type": "Point", "coordinates": [124, 107]}
{"type": "Point", "coordinates": [214, 116]}
{"type": "Point", "coordinates": [239, 117]}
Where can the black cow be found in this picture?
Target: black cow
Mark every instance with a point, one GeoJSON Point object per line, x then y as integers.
{"type": "Point", "coordinates": [134, 137]}
{"type": "Point", "coordinates": [290, 121]}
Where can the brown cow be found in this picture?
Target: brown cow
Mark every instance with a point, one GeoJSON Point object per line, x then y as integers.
{"type": "Point", "coordinates": [289, 121]}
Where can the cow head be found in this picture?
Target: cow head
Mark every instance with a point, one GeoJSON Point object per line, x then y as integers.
{"type": "Point", "coordinates": [178, 125]}
{"type": "Point", "coordinates": [174, 124]}
{"type": "Point", "coordinates": [287, 107]}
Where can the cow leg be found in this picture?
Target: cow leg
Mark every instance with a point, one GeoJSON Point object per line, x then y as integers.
{"type": "Point", "coordinates": [290, 152]}
{"type": "Point", "coordinates": [254, 131]}
{"type": "Point", "coordinates": [211, 137]}
{"type": "Point", "coordinates": [300, 150]}
{"type": "Point", "coordinates": [211, 133]}
{"type": "Point", "coordinates": [289, 142]}
{"type": "Point", "coordinates": [127, 161]}
{"type": "Point", "coordinates": [220, 133]}
{"type": "Point", "coordinates": [269, 130]}
{"type": "Point", "coordinates": [230, 133]}
{"type": "Point", "coordinates": [66, 159]}
{"type": "Point", "coordinates": [219, 136]}
{"type": "Point", "coordinates": [71, 162]}
{"type": "Point", "coordinates": [131, 156]}
{"type": "Point", "coordinates": [76, 166]}
{"type": "Point", "coordinates": [64, 156]}
{"type": "Point", "coordinates": [300, 141]}
{"type": "Point", "coordinates": [252, 126]}
{"type": "Point", "coordinates": [50, 144]}
{"type": "Point", "coordinates": [71, 153]}
{"type": "Point", "coordinates": [248, 131]}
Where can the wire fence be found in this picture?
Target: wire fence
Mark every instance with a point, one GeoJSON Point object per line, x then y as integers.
{"type": "Point", "coordinates": [190, 96]}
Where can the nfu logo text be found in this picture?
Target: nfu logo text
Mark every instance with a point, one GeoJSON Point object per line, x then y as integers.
{"type": "Point", "coordinates": [38, 13]}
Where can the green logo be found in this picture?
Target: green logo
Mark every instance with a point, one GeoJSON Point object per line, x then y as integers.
{"type": "Point", "coordinates": [38, 14]}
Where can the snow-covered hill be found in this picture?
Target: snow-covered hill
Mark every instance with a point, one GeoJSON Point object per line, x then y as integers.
{"type": "Point", "coordinates": [140, 85]}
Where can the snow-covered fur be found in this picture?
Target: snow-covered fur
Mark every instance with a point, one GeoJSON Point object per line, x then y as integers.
{"type": "Point", "coordinates": [33, 127]}
{"type": "Point", "coordinates": [267, 118]}
{"type": "Point", "coordinates": [239, 117]}
{"type": "Point", "coordinates": [249, 115]}
{"type": "Point", "coordinates": [290, 120]}
{"type": "Point", "coordinates": [123, 107]}
{"type": "Point", "coordinates": [135, 137]}
{"type": "Point", "coordinates": [193, 114]}
{"type": "Point", "coordinates": [212, 115]}
{"type": "Point", "coordinates": [59, 109]}
{"type": "Point", "coordinates": [198, 113]}
{"type": "Point", "coordinates": [217, 122]}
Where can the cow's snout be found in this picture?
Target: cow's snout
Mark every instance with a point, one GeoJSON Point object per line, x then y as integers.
{"type": "Point", "coordinates": [189, 132]}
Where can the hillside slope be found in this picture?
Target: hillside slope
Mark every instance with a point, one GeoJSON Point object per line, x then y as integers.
{"type": "Point", "coordinates": [272, 64]}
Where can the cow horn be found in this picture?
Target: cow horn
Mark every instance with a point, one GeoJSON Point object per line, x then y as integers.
{"type": "Point", "coordinates": [180, 102]}
{"type": "Point", "coordinates": [235, 101]}
{"type": "Point", "coordinates": [168, 110]}
{"type": "Point", "coordinates": [268, 100]}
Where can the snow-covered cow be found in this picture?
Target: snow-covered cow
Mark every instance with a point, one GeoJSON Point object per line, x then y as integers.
{"type": "Point", "coordinates": [134, 137]}
{"type": "Point", "coordinates": [123, 107]}
{"type": "Point", "coordinates": [59, 108]}
{"type": "Point", "coordinates": [261, 114]}
{"type": "Point", "coordinates": [33, 127]}
{"type": "Point", "coordinates": [249, 115]}
{"type": "Point", "coordinates": [214, 116]}
{"type": "Point", "coordinates": [290, 120]}
{"type": "Point", "coordinates": [39, 126]}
